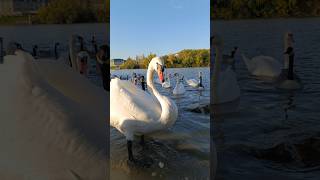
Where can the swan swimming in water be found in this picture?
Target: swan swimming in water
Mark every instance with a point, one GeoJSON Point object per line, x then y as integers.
{"type": "Point", "coordinates": [264, 66]}
{"type": "Point", "coordinates": [225, 84]}
{"type": "Point", "coordinates": [289, 80]}
{"type": "Point", "coordinates": [167, 83]}
{"type": "Point", "coordinates": [267, 66]}
{"type": "Point", "coordinates": [196, 84]}
{"type": "Point", "coordinates": [136, 112]}
{"type": "Point", "coordinates": [179, 88]}
{"type": "Point", "coordinates": [192, 82]}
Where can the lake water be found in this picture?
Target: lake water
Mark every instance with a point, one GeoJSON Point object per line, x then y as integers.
{"type": "Point", "coordinates": [45, 36]}
{"type": "Point", "coordinates": [272, 134]}
{"type": "Point", "coordinates": [184, 149]}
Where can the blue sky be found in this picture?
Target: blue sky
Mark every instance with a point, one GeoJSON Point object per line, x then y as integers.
{"type": "Point", "coordinates": [158, 26]}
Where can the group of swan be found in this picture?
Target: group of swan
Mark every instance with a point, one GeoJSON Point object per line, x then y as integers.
{"type": "Point", "coordinates": [266, 66]}
{"type": "Point", "coordinates": [136, 112]}
{"type": "Point", "coordinates": [179, 88]}
{"type": "Point", "coordinates": [53, 121]}
{"type": "Point", "coordinates": [225, 85]}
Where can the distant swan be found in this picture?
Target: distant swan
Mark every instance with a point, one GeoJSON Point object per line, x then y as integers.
{"type": "Point", "coordinates": [196, 83]}
{"type": "Point", "coordinates": [167, 83]}
{"type": "Point", "coordinates": [288, 79]}
{"type": "Point", "coordinates": [179, 88]}
{"type": "Point", "coordinates": [225, 85]}
{"type": "Point", "coordinates": [267, 66]}
{"type": "Point", "coordinates": [264, 66]}
{"type": "Point", "coordinates": [136, 112]}
{"type": "Point", "coordinates": [192, 82]}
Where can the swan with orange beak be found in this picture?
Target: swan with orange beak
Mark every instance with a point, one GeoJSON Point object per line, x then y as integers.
{"type": "Point", "coordinates": [136, 112]}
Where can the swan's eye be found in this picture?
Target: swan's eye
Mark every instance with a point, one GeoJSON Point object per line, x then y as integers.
{"type": "Point", "coordinates": [160, 67]}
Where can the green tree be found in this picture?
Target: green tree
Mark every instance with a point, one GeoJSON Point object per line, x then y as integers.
{"type": "Point", "coordinates": [71, 11]}
{"type": "Point", "coordinates": [130, 64]}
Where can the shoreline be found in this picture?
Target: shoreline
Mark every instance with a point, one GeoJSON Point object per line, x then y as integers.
{"type": "Point", "coordinates": [167, 68]}
{"type": "Point", "coordinates": [264, 18]}
{"type": "Point", "coordinates": [27, 20]}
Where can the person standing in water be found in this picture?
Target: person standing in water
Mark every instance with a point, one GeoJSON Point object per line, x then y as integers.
{"type": "Point", "coordinates": [103, 56]}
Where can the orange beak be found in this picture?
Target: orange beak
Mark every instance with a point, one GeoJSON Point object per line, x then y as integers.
{"type": "Point", "coordinates": [160, 74]}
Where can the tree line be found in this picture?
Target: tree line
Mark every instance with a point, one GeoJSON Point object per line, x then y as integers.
{"type": "Point", "coordinates": [241, 9]}
{"type": "Point", "coordinates": [73, 11]}
{"type": "Point", "coordinates": [184, 58]}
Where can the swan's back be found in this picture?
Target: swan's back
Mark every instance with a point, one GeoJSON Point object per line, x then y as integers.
{"type": "Point", "coordinates": [47, 135]}
{"type": "Point", "coordinates": [178, 89]}
{"type": "Point", "coordinates": [127, 102]}
{"type": "Point", "coordinates": [192, 82]}
{"type": "Point", "coordinates": [265, 66]}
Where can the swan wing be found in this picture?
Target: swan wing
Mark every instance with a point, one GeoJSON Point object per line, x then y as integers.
{"type": "Point", "coordinates": [47, 134]}
{"type": "Point", "coordinates": [129, 102]}
{"type": "Point", "coordinates": [192, 82]}
{"type": "Point", "coordinates": [265, 66]}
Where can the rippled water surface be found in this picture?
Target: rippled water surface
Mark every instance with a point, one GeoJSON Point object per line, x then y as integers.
{"type": "Point", "coordinates": [45, 36]}
{"type": "Point", "coordinates": [272, 134]}
{"type": "Point", "coordinates": [184, 149]}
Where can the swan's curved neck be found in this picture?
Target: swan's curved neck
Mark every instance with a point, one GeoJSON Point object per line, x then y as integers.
{"type": "Point", "coordinates": [165, 106]}
{"type": "Point", "coordinates": [288, 42]}
{"type": "Point", "coordinates": [216, 72]}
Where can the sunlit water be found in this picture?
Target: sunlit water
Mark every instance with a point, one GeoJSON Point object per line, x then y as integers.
{"type": "Point", "coordinates": [184, 149]}
{"type": "Point", "coordinates": [273, 134]}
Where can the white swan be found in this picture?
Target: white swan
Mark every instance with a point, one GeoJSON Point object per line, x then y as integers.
{"type": "Point", "coordinates": [53, 121]}
{"type": "Point", "coordinates": [134, 112]}
{"type": "Point", "coordinates": [179, 88]}
{"type": "Point", "coordinates": [196, 84]}
{"type": "Point", "coordinates": [267, 66]}
{"type": "Point", "coordinates": [225, 85]}
{"type": "Point", "coordinates": [193, 83]}
{"type": "Point", "coordinates": [264, 66]}
{"type": "Point", "coordinates": [167, 83]}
